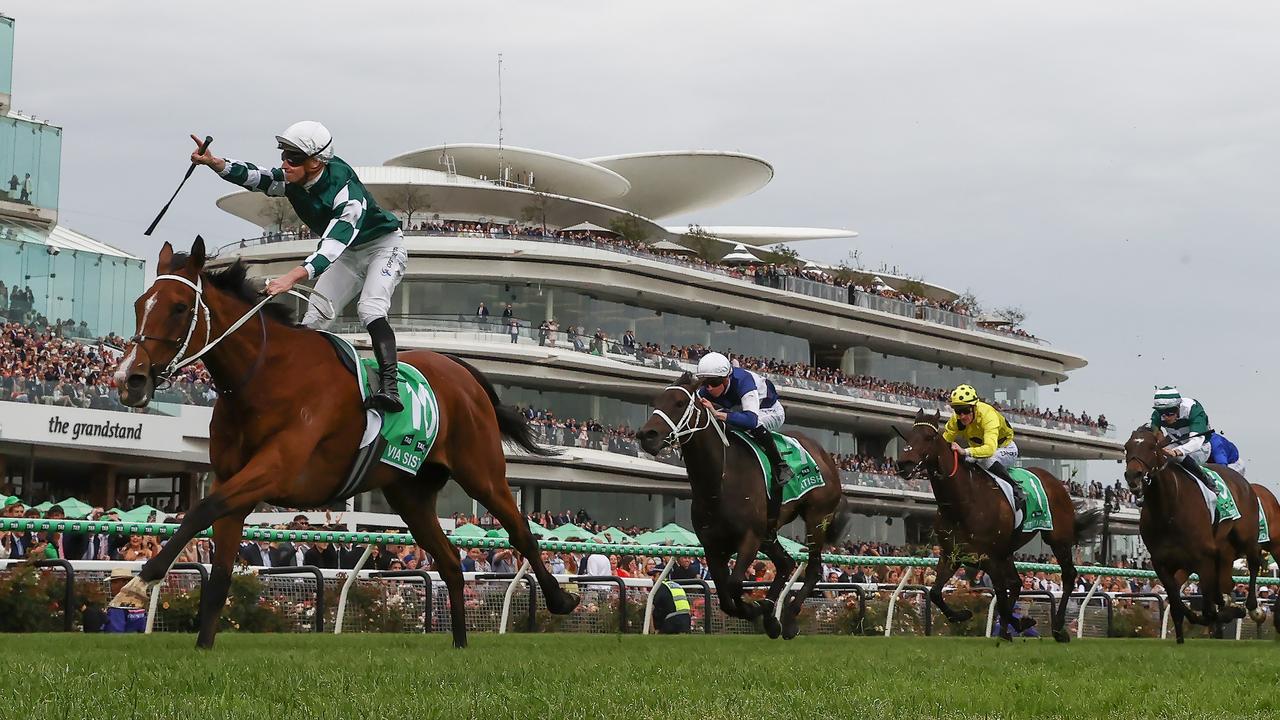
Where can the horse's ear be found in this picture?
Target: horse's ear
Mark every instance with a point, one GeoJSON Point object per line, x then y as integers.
{"type": "Point", "coordinates": [166, 257]}
{"type": "Point", "coordinates": [920, 415]}
{"type": "Point", "coordinates": [197, 258]}
{"type": "Point", "coordinates": [937, 417]}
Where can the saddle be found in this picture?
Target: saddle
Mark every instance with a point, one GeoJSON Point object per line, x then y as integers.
{"type": "Point", "coordinates": [370, 447]}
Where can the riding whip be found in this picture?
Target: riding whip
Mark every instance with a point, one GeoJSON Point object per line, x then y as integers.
{"type": "Point", "coordinates": [208, 140]}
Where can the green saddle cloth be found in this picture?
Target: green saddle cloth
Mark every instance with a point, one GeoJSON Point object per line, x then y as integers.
{"type": "Point", "coordinates": [410, 433]}
{"type": "Point", "coordinates": [1264, 532]}
{"type": "Point", "coordinates": [1037, 516]}
{"type": "Point", "coordinates": [805, 475]}
{"type": "Point", "coordinates": [1225, 507]}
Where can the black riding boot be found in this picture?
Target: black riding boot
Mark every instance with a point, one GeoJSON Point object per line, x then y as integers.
{"type": "Point", "coordinates": [387, 398]}
{"type": "Point", "coordinates": [781, 474]}
{"type": "Point", "coordinates": [1019, 497]}
{"type": "Point", "coordinates": [1198, 473]}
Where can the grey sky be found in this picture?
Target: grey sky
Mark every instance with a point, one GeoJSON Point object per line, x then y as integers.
{"type": "Point", "coordinates": [1108, 167]}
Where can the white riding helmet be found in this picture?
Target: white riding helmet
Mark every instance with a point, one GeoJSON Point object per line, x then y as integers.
{"type": "Point", "coordinates": [713, 365]}
{"type": "Point", "coordinates": [310, 137]}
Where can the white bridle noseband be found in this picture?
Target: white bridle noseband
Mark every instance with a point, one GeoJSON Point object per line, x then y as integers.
{"type": "Point", "coordinates": [695, 419]}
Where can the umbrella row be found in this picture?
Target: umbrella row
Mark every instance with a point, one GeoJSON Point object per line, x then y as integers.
{"type": "Point", "coordinates": [76, 509]}
{"type": "Point", "coordinates": [669, 534]}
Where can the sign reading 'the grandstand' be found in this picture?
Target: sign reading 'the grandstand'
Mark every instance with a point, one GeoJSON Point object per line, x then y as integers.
{"type": "Point", "coordinates": [183, 437]}
{"type": "Point", "coordinates": [80, 429]}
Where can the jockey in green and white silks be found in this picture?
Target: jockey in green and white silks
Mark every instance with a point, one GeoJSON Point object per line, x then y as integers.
{"type": "Point", "coordinates": [361, 248]}
{"type": "Point", "coordinates": [746, 401]}
{"type": "Point", "coordinates": [1187, 425]}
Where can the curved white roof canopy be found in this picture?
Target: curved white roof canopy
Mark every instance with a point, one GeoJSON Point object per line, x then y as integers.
{"type": "Point", "coordinates": [760, 235]}
{"type": "Point", "coordinates": [552, 173]}
{"type": "Point", "coordinates": [455, 198]}
{"type": "Point", "coordinates": [675, 182]}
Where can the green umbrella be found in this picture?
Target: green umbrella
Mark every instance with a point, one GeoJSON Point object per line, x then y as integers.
{"type": "Point", "coordinates": [74, 508]}
{"type": "Point", "coordinates": [791, 546]}
{"type": "Point", "coordinates": [537, 530]}
{"type": "Point", "coordinates": [612, 535]}
{"type": "Point", "coordinates": [468, 531]}
{"type": "Point", "coordinates": [669, 534]}
{"type": "Point", "coordinates": [569, 531]}
{"type": "Point", "coordinates": [499, 533]}
{"type": "Point", "coordinates": [139, 514]}
{"type": "Point", "coordinates": [44, 506]}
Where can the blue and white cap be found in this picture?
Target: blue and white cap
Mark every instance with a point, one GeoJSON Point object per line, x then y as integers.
{"type": "Point", "coordinates": [1167, 396]}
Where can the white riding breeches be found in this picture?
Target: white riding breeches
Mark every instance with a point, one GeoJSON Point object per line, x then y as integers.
{"type": "Point", "coordinates": [1007, 456]}
{"type": "Point", "coordinates": [373, 270]}
{"type": "Point", "coordinates": [773, 417]}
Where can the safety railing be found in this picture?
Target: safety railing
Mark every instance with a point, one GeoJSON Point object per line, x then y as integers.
{"type": "Point", "coordinates": [317, 611]}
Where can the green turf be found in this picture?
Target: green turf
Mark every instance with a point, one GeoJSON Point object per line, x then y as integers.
{"type": "Point", "coordinates": [577, 676]}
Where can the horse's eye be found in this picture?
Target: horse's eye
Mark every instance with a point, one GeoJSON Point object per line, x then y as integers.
{"type": "Point", "coordinates": [179, 308]}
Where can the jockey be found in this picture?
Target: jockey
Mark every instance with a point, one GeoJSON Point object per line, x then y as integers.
{"type": "Point", "coordinates": [361, 248]}
{"type": "Point", "coordinates": [748, 402]}
{"type": "Point", "coordinates": [1187, 425]}
{"type": "Point", "coordinates": [1225, 452]}
{"type": "Point", "coordinates": [987, 433]}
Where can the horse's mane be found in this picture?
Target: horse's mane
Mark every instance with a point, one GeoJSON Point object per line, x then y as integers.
{"type": "Point", "coordinates": [233, 279]}
{"type": "Point", "coordinates": [686, 378]}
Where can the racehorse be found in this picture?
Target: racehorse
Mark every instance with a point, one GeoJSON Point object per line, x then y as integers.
{"type": "Point", "coordinates": [729, 505]}
{"type": "Point", "coordinates": [974, 520]}
{"type": "Point", "coordinates": [1181, 535]}
{"type": "Point", "coordinates": [1271, 508]}
{"type": "Point", "coordinates": [288, 420]}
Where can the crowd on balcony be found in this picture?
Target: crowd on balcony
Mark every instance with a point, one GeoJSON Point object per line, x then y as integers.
{"type": "Point", "coordinates": [39, 365]}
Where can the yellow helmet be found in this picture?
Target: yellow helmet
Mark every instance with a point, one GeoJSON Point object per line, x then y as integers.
{"type": "Point", "coordinates": [964, 395]}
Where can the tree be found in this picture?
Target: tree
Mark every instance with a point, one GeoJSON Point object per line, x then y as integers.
{"type": "Point", "coordinates": [781, 255]}
{"type": "Point", "coordinates": [706, 245]}
{"type": "Point", "coordinates": [279, 215]}
{"type": "Point", "coordinates": [409, 199]}
{"type": "Point", "coordinates": [970, 300]}
{"type": "Point", "coordinates": [630, 227]}
{"type": "Point", "coordinates": [536, 210]}
{"type": "Point", "coordinates": [1013, 315]}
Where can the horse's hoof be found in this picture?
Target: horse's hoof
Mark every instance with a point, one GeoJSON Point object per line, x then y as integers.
{"type": "Point", "coordinates": [1258, 615]}
{"type": "Point", "coordinates": [1234, 612]}
{"type": "Point", "coordinates": [1025, 624]}
{"type": "Point", "coordinates": [1181, 640]}
{"type": "Point", "coordinates": [564, 603]}
{"type": "Point", "coordinates": [960, 616]}
{"type": "Point", "coordinates": [772, 627]}
{"type": "Point", "coordinates": [133, 595]}
{"type": "Point", "coordinates": [1062, 636]}
{"type": "Point", "coordinates": [790, 627]}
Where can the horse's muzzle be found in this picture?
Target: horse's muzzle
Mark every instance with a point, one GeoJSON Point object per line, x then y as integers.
{"type": "Point", "coordinates": [651, 441]}
{"type": "Point", "coordinates": [135, 389]}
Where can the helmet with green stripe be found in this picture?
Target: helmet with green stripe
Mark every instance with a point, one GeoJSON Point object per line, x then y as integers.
{"type": "Point", "coordinates": [1166, 397]}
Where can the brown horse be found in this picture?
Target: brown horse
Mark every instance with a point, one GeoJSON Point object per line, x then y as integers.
{"type": "Point", "coordinates": [1271, 509]}
{"type": "Point", "coordinates": [288, 420]}
{"type": "Point", "coordinates": [1181, 536]}
{"type": "Point", "coordinates": [729, 505]}
{"type": "Point", "coordinates": [974, 520]}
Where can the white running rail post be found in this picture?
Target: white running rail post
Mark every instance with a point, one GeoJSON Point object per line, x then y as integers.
{"type": "Point", "coordinates": [346, 588]}
{"type": "Point", "coordinates": [511, 592]}
{"type": "Point", "coordinates": [653, 591]}
{"type": "Point", "coordinates": [786, 590]}
{"type": "Point", "coordinates": [1097, 580]}
{"type": "Point", "coordinates": [1164, 624]}
{"type": "Point", "coordinates": [893, 601]}
{"type": "Point", "coordinates": [991, 616]}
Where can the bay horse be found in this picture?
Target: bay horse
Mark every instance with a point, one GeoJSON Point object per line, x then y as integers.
{"type": "Point", "coordinates": [974, 520]}
{"type": "Point", "coordinates": [1182, 537]}
{"type": "Point", "coordinates": [288, 420]}
{"type": "Point", "coordinates": [729, 508]}
{"type": "Point", "coordinates": [1271, 509]}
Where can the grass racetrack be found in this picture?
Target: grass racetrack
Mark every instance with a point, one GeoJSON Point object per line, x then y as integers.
{"type": "Point", "coordinates": [279, 677]}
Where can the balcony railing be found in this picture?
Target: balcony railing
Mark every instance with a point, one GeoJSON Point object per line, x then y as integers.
{"type": "Point", "coordinates": [789, 283]}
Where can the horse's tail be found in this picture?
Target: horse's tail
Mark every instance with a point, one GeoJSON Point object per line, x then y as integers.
{"type": "Point", "coordinates": [1087, 524]}
{"type": "Point", "coordinates": [513, 425]}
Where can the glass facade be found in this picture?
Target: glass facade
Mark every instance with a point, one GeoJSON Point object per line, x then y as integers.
{"type": "Point", "coordinates": [896, 368]}
{"type": "Point", "coordinates": [94, 291]}
{"type": "Point", "coordinates": [6, 55]}
{"type": "Point", "coordinates": [534, 303]}
{"type": "Point", "coordinates": [30, 154]}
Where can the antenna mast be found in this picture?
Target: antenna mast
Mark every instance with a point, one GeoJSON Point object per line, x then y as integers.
{"type": "Point", "coordinates": [502, 166]}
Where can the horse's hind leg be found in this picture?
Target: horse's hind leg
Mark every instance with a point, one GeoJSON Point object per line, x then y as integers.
{"type": "Point", "coordinates": [783, 565]}
{"type": "Point", "coordinates": [417, 505]}
{"type": "Point", "coordinates": [945, 570]}
{"type": "Point", "coordinates": [484, 477]}
{"type": "Point", "coordinates": [1062, 551]}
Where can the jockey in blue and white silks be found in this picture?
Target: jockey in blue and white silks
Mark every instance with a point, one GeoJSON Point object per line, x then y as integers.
{"type": "Point", "coordinates": [748, 402]}
{"type": "Point", "coordinates": [1225, 452]}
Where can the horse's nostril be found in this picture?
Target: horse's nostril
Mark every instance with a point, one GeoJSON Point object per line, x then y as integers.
{"type": "Point", "coordinates": [137, 381]}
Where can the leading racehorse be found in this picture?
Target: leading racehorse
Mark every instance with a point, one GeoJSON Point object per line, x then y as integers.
{"type": "Point", "coordinates": [1180, 533]}
{"type": "Point", "coordinates": [975, 520]}
{"type": "Point", "coordinates": [288, 420]}
{"type": "Point", "coordinates": [729, 505]}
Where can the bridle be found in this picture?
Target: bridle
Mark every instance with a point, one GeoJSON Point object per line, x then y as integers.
{"type": "Point", "coordinates": [695, 419]}
{"type": "Point", "coordinates": [181, 359]}
{"type": "Point", "coordinates": [919, 471]}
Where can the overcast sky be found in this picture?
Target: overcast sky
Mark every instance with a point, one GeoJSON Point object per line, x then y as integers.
{"type": "Point", "coordinates": [1109, 167]}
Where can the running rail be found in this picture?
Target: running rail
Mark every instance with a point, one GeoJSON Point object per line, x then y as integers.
{"type": "Point", "coordinates": [271, 535]}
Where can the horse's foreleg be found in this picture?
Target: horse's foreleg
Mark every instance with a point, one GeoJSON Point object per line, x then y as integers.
{"type": "Point", "coordinates": [1173, 592]}
{"type": "Point", "coordinates": [945, 570]}
{"type": "Point", "coordinates": [1063, 553]}
{"type": "Point", "coordinates": [795, 601]}
{"type": "Point", "coordinates": [718, 567]}
{"type": "Point", "coordinates": [418, 508]}
{"type": "Point", "coordinates": [782, 567]}
{"type": "Point", "coordinates": [227, 532]}
{"type": "Point", "coordinates": [1000, 584]}
{"type": "Point", "coordinates": [747, 550]}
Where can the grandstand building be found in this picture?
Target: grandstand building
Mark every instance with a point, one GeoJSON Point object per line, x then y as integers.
{"type": "Point", "coordinates": [559, 279]}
